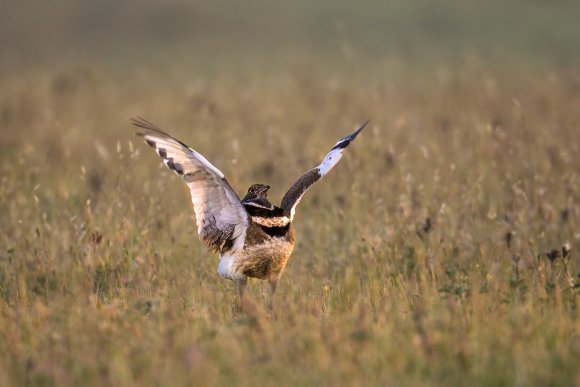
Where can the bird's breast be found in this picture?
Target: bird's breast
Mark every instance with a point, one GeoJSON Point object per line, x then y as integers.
{"type": "Point", "coordinates": [264, 259]}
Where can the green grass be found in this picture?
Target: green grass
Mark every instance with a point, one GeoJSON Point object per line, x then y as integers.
{"type": "Point", "coordinates": [103, 280]}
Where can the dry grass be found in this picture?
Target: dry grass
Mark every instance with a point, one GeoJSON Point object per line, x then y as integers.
{"type": "Point", "coordinates": [402, 274]}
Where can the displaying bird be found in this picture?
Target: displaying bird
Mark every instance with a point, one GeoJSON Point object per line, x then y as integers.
{"type": "Point", "coordinates": [253, 237]}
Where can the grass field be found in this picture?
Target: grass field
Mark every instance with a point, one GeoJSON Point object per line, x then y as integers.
{"type": "Point", "coordinates": [442, 250]}
{"type": "Point", "coordinates": [402, 274]}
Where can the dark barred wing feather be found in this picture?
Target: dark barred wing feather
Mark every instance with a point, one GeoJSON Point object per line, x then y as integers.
{"type": "Point", "coordinates": [221, 219]}
{"type": "Point", "coordinates": [300, 186]}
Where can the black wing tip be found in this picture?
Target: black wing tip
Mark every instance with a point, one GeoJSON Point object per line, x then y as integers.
{"type": "Point", "coordinates": [142, 123]}
{"type": "Point", "coordinates": [151, 128]}
{"type": "Point", "coordinates": [345, 141]}
{"type": "Point", "coordinates": [356, 132]}
{"type": "Point", "coordinates": [363, 125]}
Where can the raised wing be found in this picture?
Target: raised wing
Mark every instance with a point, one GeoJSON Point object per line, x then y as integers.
{"type": "Point", "coordinates": [295, 193]}
{"type": "Point", "coordinates": [221, 219]}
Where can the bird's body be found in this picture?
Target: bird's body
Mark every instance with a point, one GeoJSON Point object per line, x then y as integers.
{"type": "Point", "coordinates": [253, 237]}
{"type": "Point", "coordinates": [263, 256]}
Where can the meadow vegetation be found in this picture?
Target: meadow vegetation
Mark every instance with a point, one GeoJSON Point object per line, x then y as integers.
{"type": "Point", "coordinates": [442, 250]}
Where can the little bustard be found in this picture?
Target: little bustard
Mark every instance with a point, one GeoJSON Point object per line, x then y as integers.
{"type": "Point", "coordinates": [253, 237]}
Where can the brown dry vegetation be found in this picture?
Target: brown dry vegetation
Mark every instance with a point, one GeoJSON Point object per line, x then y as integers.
{"type": "Point", "coordinates": [402, 274]}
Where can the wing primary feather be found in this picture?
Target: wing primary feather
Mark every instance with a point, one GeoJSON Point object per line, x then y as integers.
{"type": "Point", "coordinates": [221, 218]}
{"type": "Point", "coordinates": [346, 140]}
{"type": "Point", "coordinates": [147, 125]}
{"type": "Point", "coordinates": [300, 186]}
{"type": "Point", "coordinates": [298, 189]}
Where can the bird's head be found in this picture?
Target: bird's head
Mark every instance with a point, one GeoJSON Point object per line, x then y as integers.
{"type": "Point", "coordinates": [258, 190]}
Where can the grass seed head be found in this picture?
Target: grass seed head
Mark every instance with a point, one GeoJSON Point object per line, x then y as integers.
{"type": "Point", "coordinates": [564, 215]}
{"type": "Point", "coordinates": [428, 225]}
{"type": "Point", "coordinates": [566, 250]}
{"type": "Point", "coordinates": [553, 255]}
{"type": "Point", "coordinates": [508, 239]}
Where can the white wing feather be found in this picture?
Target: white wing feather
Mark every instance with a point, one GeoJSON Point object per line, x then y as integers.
{"type": "Point", "coordinates": [300, 186]}
{"type": "Point", "coordinates": [219, 214]}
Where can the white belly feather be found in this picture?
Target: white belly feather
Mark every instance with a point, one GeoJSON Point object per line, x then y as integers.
{"type": "Point", "coordinates": [226, 266]}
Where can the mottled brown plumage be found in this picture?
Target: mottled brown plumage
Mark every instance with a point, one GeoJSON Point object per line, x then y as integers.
{"type": "Point", "coordinates": [265, 257]}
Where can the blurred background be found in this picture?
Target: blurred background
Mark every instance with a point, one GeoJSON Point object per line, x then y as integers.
{"type": "Point", "coordinates": [213, 36]}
